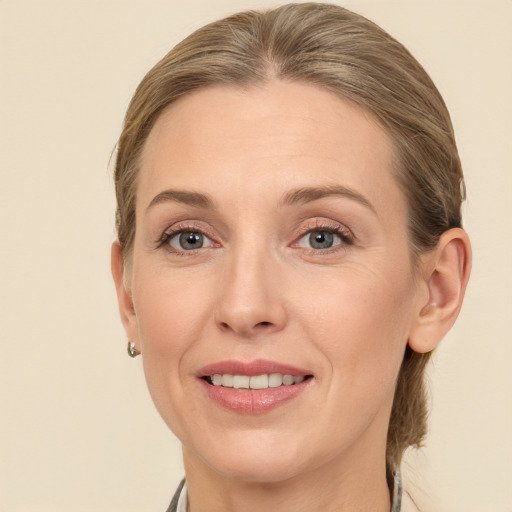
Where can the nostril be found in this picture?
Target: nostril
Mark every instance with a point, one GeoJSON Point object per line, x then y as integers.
{"type": "Point", "coordinates": [247, 329]}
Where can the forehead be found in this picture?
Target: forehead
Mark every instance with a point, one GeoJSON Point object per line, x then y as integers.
{"type": "Point", "coordinates": [265, 138]}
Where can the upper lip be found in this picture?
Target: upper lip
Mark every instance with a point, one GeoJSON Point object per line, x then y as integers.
{"type": "Point", "coordinates": [251, 368]}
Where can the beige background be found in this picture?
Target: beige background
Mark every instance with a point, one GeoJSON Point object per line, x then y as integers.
{"type": "Point", "coordinates": [78, 431]}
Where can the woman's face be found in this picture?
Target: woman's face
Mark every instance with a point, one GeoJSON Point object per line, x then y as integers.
{"type": "Point", "coordinates": [271, 240]}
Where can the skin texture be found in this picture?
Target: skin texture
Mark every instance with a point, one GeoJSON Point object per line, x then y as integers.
{"type": "Point", "coordinates": [257, 290]}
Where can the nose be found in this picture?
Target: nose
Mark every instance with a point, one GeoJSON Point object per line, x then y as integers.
{"type": "Point", "coordinates": [251, 298]}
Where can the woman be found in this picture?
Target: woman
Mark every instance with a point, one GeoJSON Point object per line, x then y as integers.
{"type": "Point", "coordinates": [290, 253]}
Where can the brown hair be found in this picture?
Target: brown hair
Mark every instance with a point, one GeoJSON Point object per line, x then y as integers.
{"type": "Point", "coordinates": [338, 50]}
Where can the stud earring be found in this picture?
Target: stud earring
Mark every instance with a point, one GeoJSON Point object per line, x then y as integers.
{"type": "Point", "coordinates": [132, 351]}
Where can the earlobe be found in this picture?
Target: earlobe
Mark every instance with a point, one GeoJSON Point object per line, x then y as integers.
{"type": "Point", "coordinates": [124, 298]}
{"type": "Point", "coordinates": [447, 271]}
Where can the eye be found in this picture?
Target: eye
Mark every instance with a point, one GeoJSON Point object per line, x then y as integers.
{"type": "Point", "coordinates": [320, 239]}
{"type": "Point", "coordinates": [189, 241]}
{"type": "Point", "coordinates": [321, 236]}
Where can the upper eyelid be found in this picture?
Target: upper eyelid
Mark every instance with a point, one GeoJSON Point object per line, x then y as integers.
{"type": "Point", "coordinates": [326, 225]}
{"type": "Point", "coordinates": [181, 227]}
{"type": "Point", "coordinates": [187, 225]}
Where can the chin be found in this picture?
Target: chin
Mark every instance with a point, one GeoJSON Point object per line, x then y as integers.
{"type": "Point", "coordinates": [255, 458]}
{"type": "Point", "coordinates": [250, 470]}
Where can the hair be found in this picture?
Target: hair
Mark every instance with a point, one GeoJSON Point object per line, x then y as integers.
{"type": "Point", "coordinates": [340, 51]}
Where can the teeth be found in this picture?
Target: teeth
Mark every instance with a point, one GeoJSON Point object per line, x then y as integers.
{"type": "Point", "coordinates": [275, 380]}
{"type": "Point", "coordinates": [259, 382]}
{"type": "Point", "coordinates": [272, 380]}
{"type": "Point", "coordinates": [227, 381]}
{"type": "Point", "coordinates": [241, 381]}
{"type": "Point", "coordinates": [287, 380]}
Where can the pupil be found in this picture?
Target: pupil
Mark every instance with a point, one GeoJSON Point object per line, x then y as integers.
{"type": "Point", "coordinates": [191, 240]}
{"type": "Point", "coordinates": [321, 240]}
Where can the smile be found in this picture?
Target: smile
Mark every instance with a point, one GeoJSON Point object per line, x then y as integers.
{"type": "Point", "coordinates": [253, 388]}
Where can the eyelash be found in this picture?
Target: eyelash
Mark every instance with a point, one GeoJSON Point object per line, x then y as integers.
{"type": "Point", "coordinates": [345, 235]}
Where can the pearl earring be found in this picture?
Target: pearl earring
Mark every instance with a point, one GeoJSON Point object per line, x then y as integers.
{"type": "Point", "coordinates": [132, 351]}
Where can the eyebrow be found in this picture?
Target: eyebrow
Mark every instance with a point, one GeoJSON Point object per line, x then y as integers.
{"type": "Point", "coordinates": [308, 194]}
{"type": "Point", "coordinates": [184, 197]}
{"type": "Point", "coordinates": [298, 196]}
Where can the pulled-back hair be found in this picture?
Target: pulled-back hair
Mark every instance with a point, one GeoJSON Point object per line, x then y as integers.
{"type": "Point", "coordinates": [338, 50]}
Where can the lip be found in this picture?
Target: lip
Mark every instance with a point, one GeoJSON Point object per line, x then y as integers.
{"type": "Point", "coordinates": [252, 368]}
{"type": "Point", "coordinates": [252, 401]}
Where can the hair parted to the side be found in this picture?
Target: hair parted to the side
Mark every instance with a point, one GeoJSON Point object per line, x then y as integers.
{"type": "Point", "coordinates": [338, 50]}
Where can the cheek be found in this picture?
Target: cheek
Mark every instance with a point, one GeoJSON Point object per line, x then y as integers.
{"type": "Point", "coordinates": [360, 321]}
{"type": "Point", "coordinates": [170, 318]}
{"type": "Point", "coordinates": [169, 309]}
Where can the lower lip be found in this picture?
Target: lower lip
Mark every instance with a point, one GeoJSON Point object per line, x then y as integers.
{"type": "Point", "coordinates": [257, 401]}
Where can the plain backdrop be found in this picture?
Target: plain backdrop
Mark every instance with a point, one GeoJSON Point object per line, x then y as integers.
{"type": "Point", "coordinates": [78, 431]}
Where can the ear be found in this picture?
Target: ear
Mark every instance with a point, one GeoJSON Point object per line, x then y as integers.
{"type": "Point", "coordinates": [124, 296]}
{"type": "Point", "coordinates": [445, 272]}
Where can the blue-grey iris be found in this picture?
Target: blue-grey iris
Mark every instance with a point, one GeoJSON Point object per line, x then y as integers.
{"type": "Point", "coordinates": [191, 240]}
{"type": "Point", "coordinates": [321, 239]}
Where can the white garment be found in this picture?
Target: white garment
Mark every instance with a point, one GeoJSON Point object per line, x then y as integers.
{"type": "Point", "coordinates": [183, 501]}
